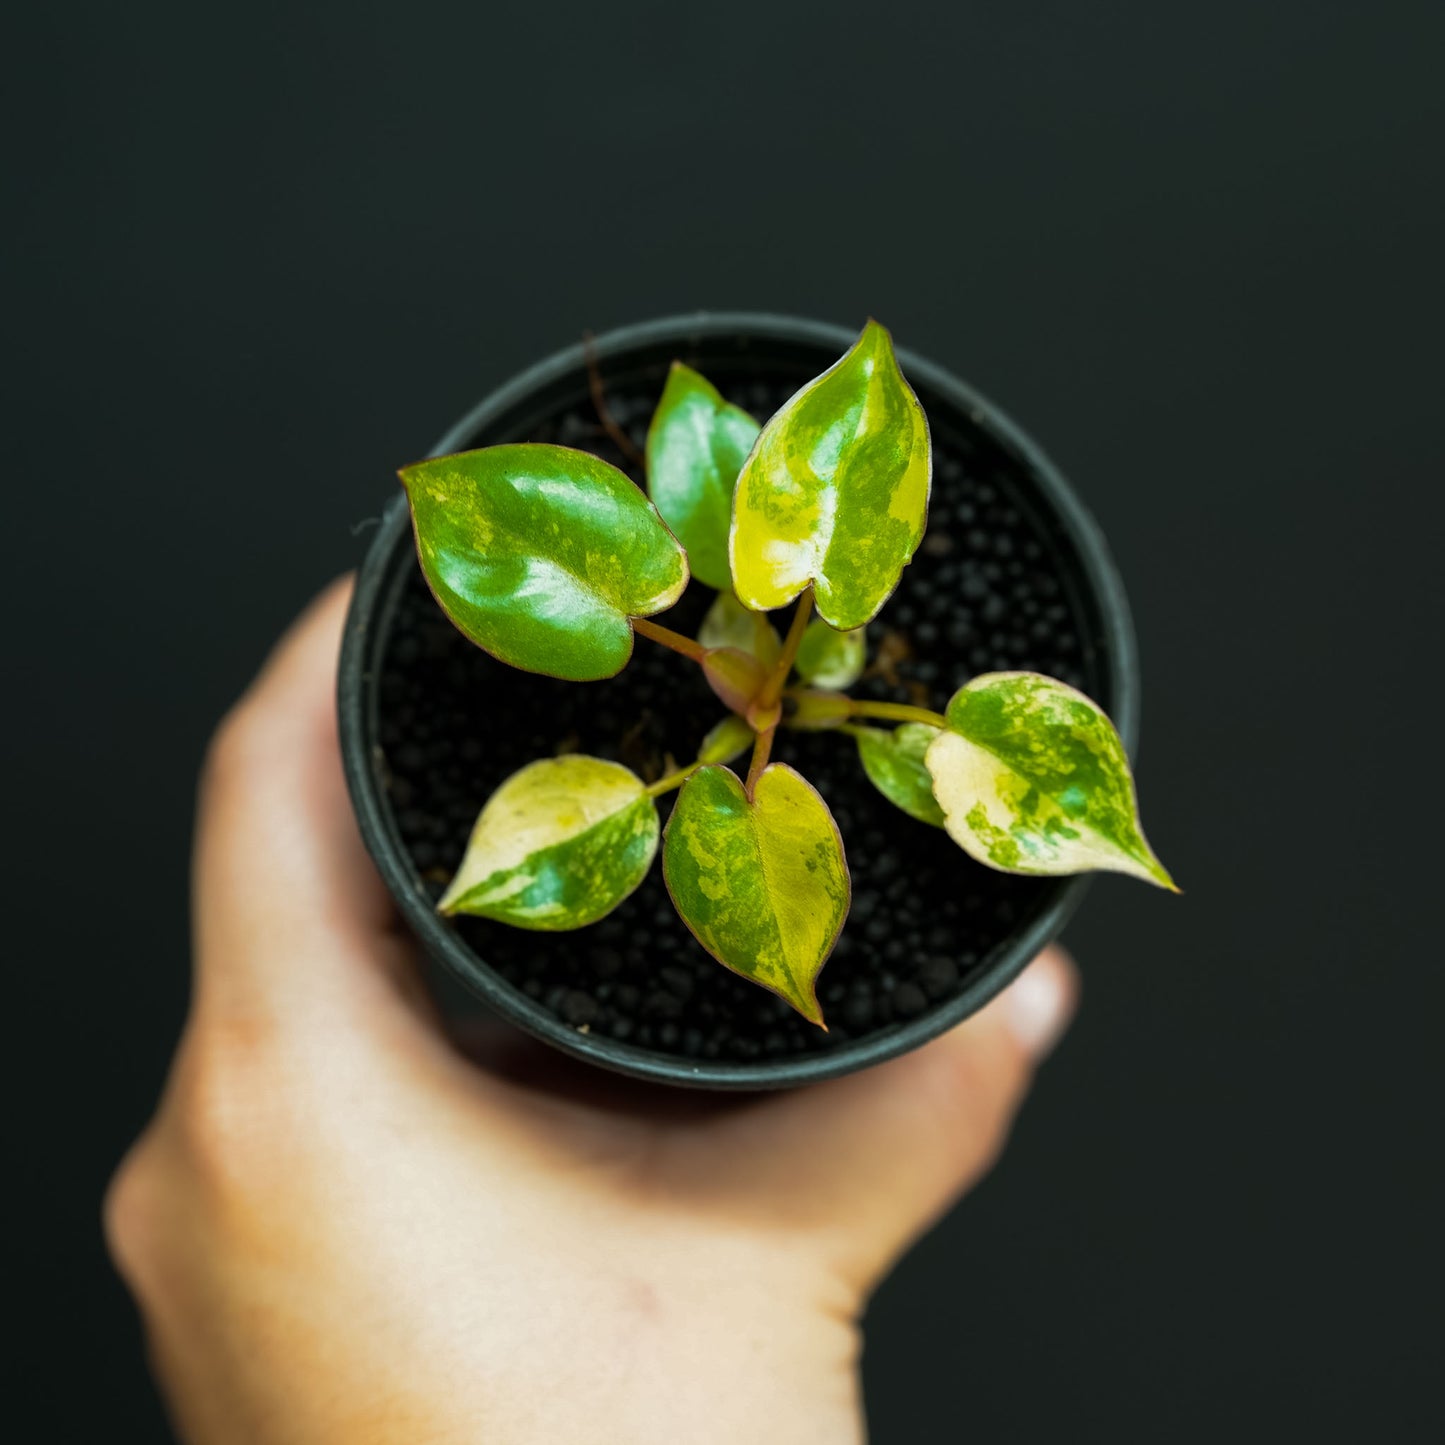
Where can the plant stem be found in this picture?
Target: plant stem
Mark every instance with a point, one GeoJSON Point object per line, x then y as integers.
{"type": "Point", "coordinates": [673, 780]}
{"type": "Point", "coordinates": [620, 439]}
{"type": "Point", "coordinates": [762, 748]}
{"type": "Point", "coordinates": [898, 712]}
{"type": "Point", "coordinates": [772, 689]}
{"type": "Point", "coordinates": [668, 638]}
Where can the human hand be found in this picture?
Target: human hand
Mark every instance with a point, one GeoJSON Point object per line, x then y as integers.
{"type": "Point", "coordinates": [339, 1228]}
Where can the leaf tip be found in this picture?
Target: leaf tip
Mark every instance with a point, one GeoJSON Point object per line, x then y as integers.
{"type": "Point", "coordinates": [808, 1006]}
{"type": "Point", "coordinates": [875, 336]}
{"type": "Point", "coordinates": [1151, 870]}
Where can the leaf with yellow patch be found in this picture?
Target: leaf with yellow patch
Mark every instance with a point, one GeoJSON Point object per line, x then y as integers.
{"type": "Point", "coordinates": [542, 555]}
{"type": "Point", "coordinates": [695, 446]}
{"type": "Point", "coordinates": [1033, 778]}
{"type": "Point", "coordinates": [761, 882]}
{"type": "Point", "coordinates": [835, 491]}
{"type": "Point", "coordinates": [559, 845]}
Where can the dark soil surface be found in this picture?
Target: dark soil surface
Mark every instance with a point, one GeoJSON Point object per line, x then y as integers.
{"type": "Point", "coordinates": [984, 593]}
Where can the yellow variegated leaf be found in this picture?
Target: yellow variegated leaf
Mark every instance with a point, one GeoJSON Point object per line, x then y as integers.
{"type": "Point", "coordinates": [1033, 778]}
{"type": "Point", "coordinates": [761, 882]}
{"type": "Point", "coordinates": [559, 845]}
{"type": "Point", "coordinates": [835, 491]}
{"type": "Point", "coordinates": [727, 623]}
{"type": "Point", "coordinates": [829, 658]}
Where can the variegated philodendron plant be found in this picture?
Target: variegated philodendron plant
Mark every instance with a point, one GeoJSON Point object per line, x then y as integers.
{"type": "Point", "coordinates": [552, 560]}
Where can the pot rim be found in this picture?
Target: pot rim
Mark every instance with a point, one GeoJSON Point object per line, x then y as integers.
{"type": "Point", "coordinates": [354, 685]}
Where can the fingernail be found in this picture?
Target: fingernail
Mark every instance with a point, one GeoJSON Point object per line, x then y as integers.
{"type": "Point", "coordinates": [1039, 1003]}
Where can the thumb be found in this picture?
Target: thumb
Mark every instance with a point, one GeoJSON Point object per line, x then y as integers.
{"type": "Point", "coordinates": [895, 1146]}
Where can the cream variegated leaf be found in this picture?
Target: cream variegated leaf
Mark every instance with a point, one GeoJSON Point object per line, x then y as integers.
{"type": "Point", "coordinates": [1033, 778]}
{"type": "Point", "coordinates": [559, 845]}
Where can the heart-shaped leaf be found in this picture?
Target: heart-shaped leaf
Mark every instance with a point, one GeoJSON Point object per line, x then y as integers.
{"type": "Point", "coordinates": [763, 883]}
{"type": "Point", "coordinates": [894, 764]}
{"type": "Point", "coordinates": [835, 492]}
{"type": "Point", "coordinates": [541, 555]}
{"type": "Point", "coordinates": [1033, 778]}
{"type": "Point", "coordinates": [695, 446]}
{"type": "Point", "coordinates": [727, 623]}
{"type": "Point", "coordinates": [559, 845]}
{"type": "Point", "coordinates": [829, 658]}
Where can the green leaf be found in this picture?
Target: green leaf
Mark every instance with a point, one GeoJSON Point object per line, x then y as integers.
{"type": "Point", "coordinates": [894, 764]}
{"type": "Point", "coordinates": [731, 738]}
{"type": "Point", "coordinates": [829, 658]}
{"type": "Point", "coordinates": [1033, 778]}
{"type": "Point", "coordinates": [763, 884]}
{"type": "Point", "coordinates": [541, 555]}
{"type": "Point", "coordinates": [559, 845]}
{"type": "Point", "coordinates": [727, 623]}
{"type": "Point", "coordinates": [695, 446]}
{"type": "Point", "coordinates": [835, 492]}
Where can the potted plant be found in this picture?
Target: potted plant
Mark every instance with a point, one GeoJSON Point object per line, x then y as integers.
{"type": "Point", "coordinates": [883, 604]}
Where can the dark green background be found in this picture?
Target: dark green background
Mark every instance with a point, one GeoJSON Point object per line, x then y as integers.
{"type": "Point", "coordinates": [257, 256]}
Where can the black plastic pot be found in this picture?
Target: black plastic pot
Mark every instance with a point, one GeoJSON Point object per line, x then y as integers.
{"type": "Point", "coordinates": [729, 349]}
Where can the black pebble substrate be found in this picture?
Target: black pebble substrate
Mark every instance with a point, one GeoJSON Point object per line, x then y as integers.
{"type": "Point", "coordinates": [983, 594]}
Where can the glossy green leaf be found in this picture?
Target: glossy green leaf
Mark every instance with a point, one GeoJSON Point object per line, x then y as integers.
{"type": "Point", "coordinates": [727, 623]}
{"type": "Point", "coordinates": [829, 658]}
{"type": "Point", "coordinates": [835, 493]}
{"type": "Point", "coordinates": [730, 739]}
{"type": "Point", "coordinates": [695, 446]}
{"type": "Point", "coordinates": [559, 845]}
{"type": "Point", "coordinates": [1033, 778]}
{"type": "Point", "coordinates": [541, 555]}
{"type": "Point", "coordinates": [763, 884]}
{"type": "Point", "coordinates": [894, 763]}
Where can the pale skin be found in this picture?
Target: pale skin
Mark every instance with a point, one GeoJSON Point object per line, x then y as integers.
{"type": "Point", "coordinates": [339, 1226]}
